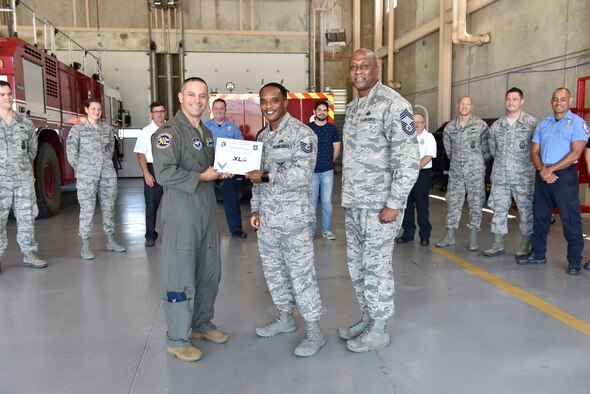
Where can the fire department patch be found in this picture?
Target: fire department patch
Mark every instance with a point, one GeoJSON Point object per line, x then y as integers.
{"type": "Point", "coordinates": [163, 141]}
{"type": "Point", "coordinates": [407, 120]}
{"type": "Point", "coordinates": [307, 148]}
{"type": "Point", "coordinates": [585, 125]}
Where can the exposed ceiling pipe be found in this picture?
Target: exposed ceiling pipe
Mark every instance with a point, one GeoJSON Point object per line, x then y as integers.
{"type": "Point", "coordinates": [460, 35]}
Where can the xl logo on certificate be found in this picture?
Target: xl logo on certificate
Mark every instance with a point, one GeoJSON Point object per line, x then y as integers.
{"type": "Point", "coordinates": [237, 156]}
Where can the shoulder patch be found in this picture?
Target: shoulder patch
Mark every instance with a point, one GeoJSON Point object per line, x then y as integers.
{"type": "Point", "coordinates": [163, 140]}
{"type": "Point", "coordinates": [585, 126]}
{"type": "Point", "coordinates": [305, 147]}
{"type": "Point", "coordinates": [407, 120]}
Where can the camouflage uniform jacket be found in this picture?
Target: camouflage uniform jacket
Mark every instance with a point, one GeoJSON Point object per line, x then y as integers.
{"type": "Point", "coordinates": [510, 147]}
{"type": "Point", "coordinates": [90, 150]}
{"type": "Point", "coordinates": [468, 147]}
{"type": "Point", "coordinates": [381, 153]}
{"type": "Point", "coordinates": [288, 155]}
{"type": "Point", "coordinates": [18, 140]}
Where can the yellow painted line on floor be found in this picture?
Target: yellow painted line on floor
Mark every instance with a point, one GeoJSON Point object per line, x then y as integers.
{"type": "Point", "coordinates": [524, 295]}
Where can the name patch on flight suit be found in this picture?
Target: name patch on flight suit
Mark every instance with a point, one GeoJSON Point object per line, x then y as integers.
{"type": "Point", "coordinates": [163, 141]}
{"type": "Point", "coordinates": [407, 120]}
{"type": "Point", "coordinates": [197, 144]}
{"type": "Point", "coordinates": [209, 142]}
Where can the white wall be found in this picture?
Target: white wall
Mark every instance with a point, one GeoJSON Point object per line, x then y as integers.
{"type": "Point", "coordinates": [247, 70]}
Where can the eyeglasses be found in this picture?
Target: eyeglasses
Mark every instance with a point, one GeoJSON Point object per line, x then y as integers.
{"type": "Point", "coordinates": [159, 112]}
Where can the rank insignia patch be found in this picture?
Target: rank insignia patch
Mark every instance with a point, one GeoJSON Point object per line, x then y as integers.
{"type": "Point", "coordinates": [307, 148]}
{"type": "Point", "coordinates": [407, 120]}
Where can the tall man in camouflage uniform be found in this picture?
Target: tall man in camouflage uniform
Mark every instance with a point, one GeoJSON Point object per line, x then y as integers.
{"type": "Point", "coordinates": [17, 182]}
{"type": "Point", "coordinates": [183, 164]}
{"type": "Point", "coordinates": [513, 174]}
{"type": "Point", "coordinates": [282, 213]}
{"type": "Point", "coordinates": [90, 147]}
{"type": "Point", "coordinates": [379, 168]}
{"type": "Point", "coordinates": [466, 141]}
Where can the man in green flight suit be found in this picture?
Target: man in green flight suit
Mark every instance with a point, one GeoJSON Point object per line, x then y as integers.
{"type": "Point", "coordinates": [183, 164]}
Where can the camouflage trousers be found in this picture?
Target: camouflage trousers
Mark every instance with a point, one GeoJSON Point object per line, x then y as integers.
{"type": "Point", "coordinates": [88, 189]}
{"type": "Point", "coordinates": [501, 200]}
{"type": "Point", "coordinates": [23, 200]}
{"type": "Point", "coordinates": [288, 265]}
{"type": "Point", "coordinates": [460, 184]}
{"type": "Point", "coordinates": [369, 248]}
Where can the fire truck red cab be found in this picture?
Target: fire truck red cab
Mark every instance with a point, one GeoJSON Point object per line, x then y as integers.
{"type": "Point", "coordinates": [51, 94]}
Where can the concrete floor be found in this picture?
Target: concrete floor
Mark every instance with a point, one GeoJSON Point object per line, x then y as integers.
{"type": "Point", "coordinates": [98, 327]}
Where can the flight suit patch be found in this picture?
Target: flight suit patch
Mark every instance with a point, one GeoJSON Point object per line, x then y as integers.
{"type": "Point", "coordinates": [163, 141]}
{"type": "Point", "coordinates": [197, 144]}
{"type": "Point", "coordinates": [209, 142]}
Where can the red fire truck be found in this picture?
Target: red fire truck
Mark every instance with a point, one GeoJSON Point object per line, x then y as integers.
{"type": "Point", "coordinates": [52, 94]}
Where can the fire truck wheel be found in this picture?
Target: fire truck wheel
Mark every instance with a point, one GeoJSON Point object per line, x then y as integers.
{"type": "Point", "coordinates": [48, 180]}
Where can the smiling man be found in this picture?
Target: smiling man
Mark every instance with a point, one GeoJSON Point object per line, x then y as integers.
{"type": "Point", "coordinates": [379, 167]}
{"type": "Point", "coordinates": [183, 164]}
{"type": "Point", "coordinates": [558, 142]}
{"type": "Point", "coordinates": [282, 213]}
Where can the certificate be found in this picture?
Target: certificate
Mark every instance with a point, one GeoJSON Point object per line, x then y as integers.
{"type": "Point", "coordinates": [237, 156]}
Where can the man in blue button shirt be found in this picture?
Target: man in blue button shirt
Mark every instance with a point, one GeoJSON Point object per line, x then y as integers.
{"type": "Point", "coordinates": [558, 142]}
{"type": "Point", "coordinates": [323, 175]}
{"type": "Point", "coordinates": [223, 128]}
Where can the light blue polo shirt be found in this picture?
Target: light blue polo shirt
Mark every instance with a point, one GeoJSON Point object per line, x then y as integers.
{"type": "Point", "coordinates": [555, 137]}
{"type": "Point", "coordinates": [226, 130]}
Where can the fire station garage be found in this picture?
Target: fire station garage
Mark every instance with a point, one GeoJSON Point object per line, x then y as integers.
{"type": "Point", "coordinates": [500, 89]}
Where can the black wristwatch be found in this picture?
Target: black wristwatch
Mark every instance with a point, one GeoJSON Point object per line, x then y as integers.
{"type": "Point", "coordinates": [264, 178]}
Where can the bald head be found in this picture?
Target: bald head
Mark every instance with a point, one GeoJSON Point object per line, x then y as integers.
{"type": "Point", "coordinates": [464, 106]}
{"type": "Point", "coordinates": [363, 71]}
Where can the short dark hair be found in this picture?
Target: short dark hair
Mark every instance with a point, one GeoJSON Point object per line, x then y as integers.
{"type": "Point", "coordinates": [277, 85]}
{"type": "Point", "coordinates": [219, 100]}
{"type": "Point", "coordinates": [90, 101]}
{"type": "Point", "coordinates": [4, 84]}
{"type": "Point", "coordinates": [514, 89]}
{"type": "Point", "coordinates": [321, 102]}
{"type": "Point", "coordinates": [156, 104]}
{"type": "Point", "coordinates": [191, 79]}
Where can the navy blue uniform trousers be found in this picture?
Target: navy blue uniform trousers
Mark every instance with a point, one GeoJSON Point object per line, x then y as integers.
{"type": "Point", "coordinates": [562, 194]}
{"type": "Point", "coordinates": [231, 204]}
{"type": "Point", "coordinates": [153, 196]}
{"type": "Point", "coordinates": [418, 197]}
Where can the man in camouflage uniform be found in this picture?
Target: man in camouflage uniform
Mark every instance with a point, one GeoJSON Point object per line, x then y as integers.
{"type": "Point", "coordinates": [466, 141]}
{"type": "Point", "coordinates": [282, 213]}
{"type": "Point", "coordinates": [183, 164]}
{"type": "Point", "coordinates": [17, 183]}
{"type": "Point", "coordinates": [513, 174]}
{"type": "Point", "coordinates": [379, 167]}
{"type": "Point", "coordinates": [90, 147]}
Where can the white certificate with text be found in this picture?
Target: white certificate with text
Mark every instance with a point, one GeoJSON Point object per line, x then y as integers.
{"type": "Point", "coordinates": [237, 156]}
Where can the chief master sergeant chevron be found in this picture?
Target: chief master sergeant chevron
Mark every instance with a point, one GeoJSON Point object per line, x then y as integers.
{"type": "Point", "coordinates": [380, 166]}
